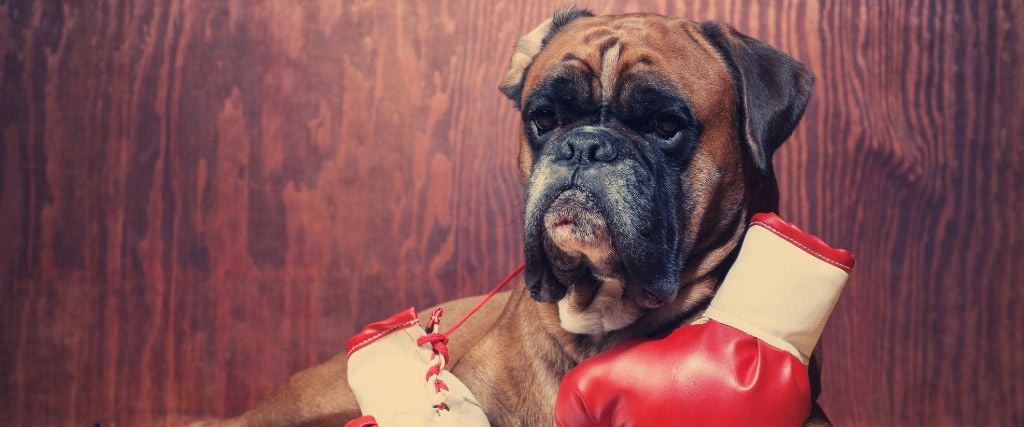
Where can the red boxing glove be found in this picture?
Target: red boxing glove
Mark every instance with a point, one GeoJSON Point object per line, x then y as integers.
{"type": "Point", "coordinates": [742, 364]}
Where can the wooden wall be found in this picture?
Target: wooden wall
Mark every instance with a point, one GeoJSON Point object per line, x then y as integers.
{"type": "Point", "coordinates": [199, 198]}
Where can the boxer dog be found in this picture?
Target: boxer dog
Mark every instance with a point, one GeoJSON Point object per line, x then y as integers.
{"type": "Point", "coordinates": [646, 147]}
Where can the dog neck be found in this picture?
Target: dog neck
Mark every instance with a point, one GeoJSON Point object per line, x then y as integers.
{"type": "Point", "coordinates": [542, 321]}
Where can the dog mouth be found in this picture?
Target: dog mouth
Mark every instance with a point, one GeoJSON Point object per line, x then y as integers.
{"type": "Point", "coordinates": [578, 244]}
{"type": "Point", "coordinates": [587, 227]}
{"type": "Point", "coordinates": [574, 223]}
{"type": "Point", "coordinates": [577, 229]}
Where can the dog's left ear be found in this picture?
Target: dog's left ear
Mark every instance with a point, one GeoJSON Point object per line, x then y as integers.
{"type": "Point", "coordinates": [773, 89]}
{"type": "Point", "coordinates": [530, 45]}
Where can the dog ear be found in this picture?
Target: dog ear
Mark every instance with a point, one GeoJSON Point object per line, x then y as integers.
{"type": "Point", "coordinates": [530, 45]}
{"type": "Point", "coordinates": [773, 89]}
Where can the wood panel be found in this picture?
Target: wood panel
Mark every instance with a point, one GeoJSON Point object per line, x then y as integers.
{"type": "Point", "coordinates": [199, 198]}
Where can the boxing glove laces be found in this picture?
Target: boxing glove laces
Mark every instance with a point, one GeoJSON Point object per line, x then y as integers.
{"type": "Point", "coordinates": [397, 371]}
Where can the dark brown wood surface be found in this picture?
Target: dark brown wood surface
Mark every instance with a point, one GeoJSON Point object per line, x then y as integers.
{"type": "Point", "coordinates": [199, 198]}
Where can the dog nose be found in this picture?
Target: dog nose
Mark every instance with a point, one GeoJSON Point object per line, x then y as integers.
{"type": "Point", "coordinates": [587, 146]}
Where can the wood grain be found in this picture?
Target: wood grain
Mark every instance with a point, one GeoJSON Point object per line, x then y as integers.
{"type": "Point", "coordinates": [199, 198]}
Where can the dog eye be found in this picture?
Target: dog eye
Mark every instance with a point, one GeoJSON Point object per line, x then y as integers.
{"type": "Point", "coordinates": [545, 119]}
{"type": "Point", "coordinates": [666, 125]}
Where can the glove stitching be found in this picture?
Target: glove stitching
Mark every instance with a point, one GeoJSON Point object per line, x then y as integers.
{"type": "Point", "coordinates": [377, 336]}
{"type": "Point", "coordinates": [810, 251]}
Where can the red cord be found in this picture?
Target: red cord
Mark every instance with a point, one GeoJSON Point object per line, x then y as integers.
{"type": "Point", "coordinates": [484, 301]}
{"type": "Point", "coordinates": [438, 342]}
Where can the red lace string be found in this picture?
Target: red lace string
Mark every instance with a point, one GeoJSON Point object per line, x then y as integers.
{"type": "Point", "coordinates": [439, 341]}
{"type": "Point", "coordinates": [486, 298]}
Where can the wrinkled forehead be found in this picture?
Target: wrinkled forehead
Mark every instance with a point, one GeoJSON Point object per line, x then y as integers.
{"type": "Point", "coordinates": [607, 53]}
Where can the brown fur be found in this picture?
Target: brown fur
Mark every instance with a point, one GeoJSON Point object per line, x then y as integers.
{"type": "Point", "coordinates": [715, 180]}
{"type": "Point", "coordinates": [514, 352]}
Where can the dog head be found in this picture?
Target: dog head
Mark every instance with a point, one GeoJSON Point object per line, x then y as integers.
{"type": "Point", "coordinates": [646, 146]}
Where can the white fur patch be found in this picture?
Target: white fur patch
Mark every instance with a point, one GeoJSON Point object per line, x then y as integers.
{"type": "Point", "coordinates": [608, 312]}
{"type": "Point", "coordinates": [608, 70]}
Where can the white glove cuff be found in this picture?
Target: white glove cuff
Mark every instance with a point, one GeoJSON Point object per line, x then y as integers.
{"type": "Point", "coordinates": [390, 374]}
{"type": "Point", "coordinates": [782, 287]}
